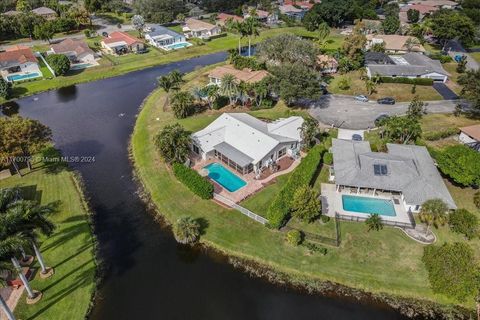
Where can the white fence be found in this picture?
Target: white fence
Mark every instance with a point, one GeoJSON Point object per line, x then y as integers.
{"type": "Point", "coordinates": [243, 210]}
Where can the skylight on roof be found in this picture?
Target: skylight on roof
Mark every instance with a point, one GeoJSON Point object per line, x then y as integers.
{"type": "Point", "coordinates": [380, 169]}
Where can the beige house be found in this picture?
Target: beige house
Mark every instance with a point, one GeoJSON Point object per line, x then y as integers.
{"type": "Point", "coordinates": [77, 51]}
{"type": "Point", "coordinates": [395, 43]}
{"type": "Point", "coordinates": [245, 75]}
{"type": "Point", "coordinates": [194, 28]}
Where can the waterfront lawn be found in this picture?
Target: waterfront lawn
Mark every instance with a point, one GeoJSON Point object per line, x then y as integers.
{"type": "Point", "coordinates": [117, 65]}
{"type": "Point", "coordinates": [399, 91]}
{"type": "Point", "coordinates": [380, 262]}
{"type": "Point", "coordinates": [67, 294]}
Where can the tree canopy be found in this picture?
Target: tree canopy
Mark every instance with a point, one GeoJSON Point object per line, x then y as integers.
{"type": "Point", "coordinates": [465, 222]}
{"type": "Point", "coordinates": [460, 163]}
{"type": "Point", "coordinates": [173, 143]}
{"type": "Point", "coordinates": [413, 15]}
{"type": "Point", "coordinates": [59, 63]}
{"type": "Point", "coordinates": [287, 48]}
{"type": "Point", "coordinates": [401, 129]}
{"type": "Point", "coordinates": [159, 11]}
{"type": "Point", "coordinates": [450, 24]}
{"type": "Point", "coordinates": [306, 204]}
{"type": "Point", "coordinates": [471, 88]}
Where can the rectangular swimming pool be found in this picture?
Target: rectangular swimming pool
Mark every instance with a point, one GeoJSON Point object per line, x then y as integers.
{"type": "Point", "coordinates": [179, 45]}
{"type": "Point", "coordinates": [367, 205]}
{"type": "Point", "coordinates": [19, 77]}
{"type": "Point", "coordinates": [224, 177]}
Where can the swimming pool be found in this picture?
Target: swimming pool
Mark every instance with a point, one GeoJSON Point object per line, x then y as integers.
{"type": "Point", "coordinates": [179, 45]}
{"type": "Point", "coordinates": [383, 207]}
{"type": "Point", "coordinates": [224, 177]}
{"type": "Point", "coordinates": [80, 66]}
{"type": "Point", "coordinates": [18, 77]}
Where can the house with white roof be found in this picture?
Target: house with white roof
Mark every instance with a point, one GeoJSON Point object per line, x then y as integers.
{"type": "Point", "coordinates": [246, 143]}
{"type": "Point", "coordinates": [166, 39]}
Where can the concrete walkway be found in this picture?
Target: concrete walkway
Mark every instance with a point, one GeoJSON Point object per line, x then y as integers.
{"type": "Point", "coordinates": [420, 234]}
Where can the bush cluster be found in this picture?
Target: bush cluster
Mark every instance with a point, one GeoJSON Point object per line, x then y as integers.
{"type": "Point", "coordinates": [294, 237]}
{"type": "Point", "coordinates": [328, 158]}
{"type": "Point", "coordinates": [313, 248]}
{"type": "Point", "coordinates": [241, 62]}
{"type": "Point", "coordinates": [465, 222]}
{"type": "Point", "coordinates": [193, 181]}
{"type": "Point", "coordinates": [441, 57]}
{"type": "Point", "coordinates": [303, 175]}
{"type": "Point", "coordinates": [417, 81]}
{"type": "Point", "coordinates": [441, 134]}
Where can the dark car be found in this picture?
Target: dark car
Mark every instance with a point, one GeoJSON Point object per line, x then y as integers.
{"type": "Point", "coordinates": [386, 100]}
{"type": "Point", "coordinates": [104, 34]}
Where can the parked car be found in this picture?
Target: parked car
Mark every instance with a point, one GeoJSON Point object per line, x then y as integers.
{"type": "Point", "coordinates": [362, 98]}
{"type": "Point", "coordinates": [381, 118]}
{"type": "Point", "coordinates": [386, 100]}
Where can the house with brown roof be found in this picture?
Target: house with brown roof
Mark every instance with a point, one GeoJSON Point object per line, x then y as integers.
{"type": "Point", "coordinates": [19, 63]}
{"type": "Point", "coordinates": [223, 18]}
{"type": "Point", "coordinates": [395, 43]}
{"type": "Point", "coordinates": [119, 42]}
{"type": "Point", "coordinates": [77, 51]}
{"type": "Point", "coordinates": [194, 28]}
{"type": "Point", "coordinates": [245, 75]}
{"type": "Point", "coordinates": [263, 16]}
{"type": "Point", "coordinates": [11, 13]}
{"type": "Point", "coordinates": [45, 12]}
{"type": "Point", "coordinates": [470, 136]}
{"type": "Point", "coordinates": [423, 10]}
{"type": "Point", "coordinates": [327, 64]}
{"type": "Point", "coordinates": [441, 4]}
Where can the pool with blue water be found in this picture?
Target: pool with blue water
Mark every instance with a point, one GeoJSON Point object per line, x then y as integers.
{"type": "Point", "coordinates": [382, 207]}
{"type": "Point", "coordinates": [224, 177]}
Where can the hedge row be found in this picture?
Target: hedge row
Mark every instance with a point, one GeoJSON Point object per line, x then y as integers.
{"type": "Point", "coordinates": [417, 81]}
{"type": "Point", "coordinates": [279, 209]}
{"type": "Point", "coordinates": [193, 181]}
{"type": "Point", "coordinates": [437, 135]}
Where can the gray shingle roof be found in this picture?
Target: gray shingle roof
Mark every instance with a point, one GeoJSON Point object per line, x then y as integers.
{"type": "Point", "coordinates": [417, 64]}
{"type": "Point", "coordinates": [158, 30]}
{"type": "Point", "coordinates": [410, 168]}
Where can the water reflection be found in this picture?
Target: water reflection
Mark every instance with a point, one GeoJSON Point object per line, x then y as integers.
{"type": "Point", "coordinates": [10, 108]}
{"type": "Point", "coordinates": [67, 94]}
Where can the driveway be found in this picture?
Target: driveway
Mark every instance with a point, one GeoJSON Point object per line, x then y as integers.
{"type": "Point", "coordinates": [454, 47]}
{"type": "Point", "coordinates": [445, 91]}
{"type": "Point", "coordinates": [345, 112]}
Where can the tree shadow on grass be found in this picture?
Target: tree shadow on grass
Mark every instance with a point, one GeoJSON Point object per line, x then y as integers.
{"type": "Point", "coordinates": [67, 234]}
{"type": "Point", "coordinates": [204, 224]}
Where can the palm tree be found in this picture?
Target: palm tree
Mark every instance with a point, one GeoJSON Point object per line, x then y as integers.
{"type": "Point", "coordinates": [323, 31]}
{"type": "Point", "coordinates": [411, 43]}
{"type": "Point", "coordinates": [229, 87]}
{"type": "Point", "coordinates": [186, 230]}
{"type": "Point", "coordinates": [433, 211]}
{"type": "Point", "coordinates": [240, 28]}
{"type": "Point", "coordinates": [251, 30]}
{"type": "Point", "coordinates": [170, 82]}
{"type": "Point", "coordinates": [212, 95]}
{"type": "Point", "coordinates": [374, 222]}
{"type": "Point", "coordinates": [182, 104]}
{"type": "Point", "coordinates": [5, 266]}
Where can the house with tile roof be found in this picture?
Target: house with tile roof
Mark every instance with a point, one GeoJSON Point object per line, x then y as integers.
{"type": "Point", "coordinates": [292, 11]}
{"type": "Point", "coordinates": [246, 143]}
{"type": "Point", "coordinates": [263, 16]}
{"type": "Point", "coordinates": [194, 28]}
{"type": "Point", "coordinates": [246, 75]}
{"type": "Point", "coordinates": [45, 13]}
{"type": "Point", "coordinates": [77, 51]}
{"type": "Point", "coordinates": [19, 63]}
{"type": "Point", "coordinates": [395, 43]}
{"type": "Point", "coordinates": [119, 42]}
{"type": "Point", "coordinates": [223, 18]}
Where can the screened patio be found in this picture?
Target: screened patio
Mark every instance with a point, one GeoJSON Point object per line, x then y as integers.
{"type": "Point", "coordinates": [234, 158]}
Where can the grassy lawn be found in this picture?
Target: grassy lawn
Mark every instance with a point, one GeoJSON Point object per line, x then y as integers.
{"type": "Point", "coordinates": [378, 262]}
{"type": "Point", "coordinates": [131, 62]}
{"type": "Point", "coordinates": [399, 91]}
{"type": "Point", "coordinates": [452, 82]}
{"type": "Point", "coordinates": [476, 56]}
{"type": "Point", "coordinates": [114, 18]}
{"type": "Point", "coordinates": [45, 71]}
{"type": "Point", "coordinates": [69, 250]}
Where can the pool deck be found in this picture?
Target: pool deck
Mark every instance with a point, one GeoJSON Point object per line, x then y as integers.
{"type": "Point", "coordinates": [332, 204]}
{"type": "Point", "coordinates": [253, 185]}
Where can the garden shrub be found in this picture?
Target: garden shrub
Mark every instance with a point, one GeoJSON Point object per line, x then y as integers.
{"type": "Point", "coordinates": [59, 63]}
{"type": "Point", "coordinates": [441, 134]}
{"type": "Point", "coordinates": [441, 57]}
{"type": "Point", "coordinates": [465, 222]}
{"type": "Point", "coordinates": [220, 102]}
{"type": "Point", "coordinates": [417, 81]}
{"type": "Point", "coordinates": [476, 199]}
{"type": "Point", "coordinates": [193, 181]}
{"type": "Point", "coordinates": [328, 158]}
{"type": "Point", "coordinates": [313, 248]}
{"type": "Point", "coordinates": [324, 218]}
{"type": "Point", "coordinates": [303, 175]}
{"type": "Point", "coordinates": [294, 237]}
{"type": "Point", "coordinates": [460, 163]}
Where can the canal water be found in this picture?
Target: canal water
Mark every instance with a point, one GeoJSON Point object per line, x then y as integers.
{"type": "Point", "coordinates": [148, 275]}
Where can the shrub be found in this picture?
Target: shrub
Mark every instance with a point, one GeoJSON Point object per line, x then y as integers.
{"type": "Point", "coordinates": [59, 63]}
{"type": "Point", "coordinates": [303, 175]}
{"type": "Point", "coordinates": [476, 199]}
{"type": "Point", "coordinates": [344, 83]}
{"type": "Point", "coordinates": [460, 163]}
{"type": "Point", "coordinates": [313, 248]}
{"type": "Point", "coordinates": [452, 270]}
{"type": "Point", "coordinates": [441, 134]}
{"type": "Point", "coordinates": [328, 158]}
{"type": "Point", "coordinates": [220, 102]}
{"type": "Point", "coordinates": [324, 218]}
{"type": "Point", "coordinates": [465, 222]}
{"type": "Point", "coordinates": [186, 230]}
{"type": "Point", "coordinates": [183, 104]}
{"type": "Point", "coordinates": [294, 237]}
{"type": "Point", "coordinates": [5, 89]}
{"type": "Point", "coordinates": [193, 181]}
{"type": "Point", "coordinates": [306, 204]}
{"type": "Point", "coordinates": [87, 33]}
{"type": "Point", "coordinates": [417, 81]}
{"type": "Point", "coordinates": [441, 57]}
{"type": "Point", "coordinates": [374, 222]}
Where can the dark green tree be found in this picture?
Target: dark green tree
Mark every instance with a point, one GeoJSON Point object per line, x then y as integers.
{"type": "Point", "coordinates": [470, 82]}
{"type": "Point", "coordinates": [374, 222]}
{"type": "Point", "coordinates": [173, 143]}
{"type": "Point", "coordinates": [450, 24]}
{"type": "Point", "coordinates": [5, 89]}
{"type": "Point", "coordinates": [413, 15]}
{"type": "Point", "coordinates": [465, 222]}
{"type": "Point", "coordinates": [183, 104]}
{"type": "Point", "coordinates": [59, 63]}
{"type": "Point", "coordinates": [461, 164]}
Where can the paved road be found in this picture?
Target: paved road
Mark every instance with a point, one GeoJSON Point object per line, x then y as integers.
{"type": "Point", "coordinates": [454, 47]}
{"type": "Point", "coordinates": [346, 112]}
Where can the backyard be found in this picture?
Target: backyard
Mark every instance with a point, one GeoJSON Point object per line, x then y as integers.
{"type": "Point", "coordinates": [379, 262]}
{"type": "Point", "coordinates": [70, 250]}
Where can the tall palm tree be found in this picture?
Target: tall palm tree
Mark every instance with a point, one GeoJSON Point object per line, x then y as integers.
{"type": "Point", "coordinates": [323, 31]}
{"type": "Point", "coordinates": [251, 27]}
{"type": "Point", "coordinates": [5, 266]}
{"type": "Point", "coordinates": [212, 95]}
{"type": "Point", "coordinates": [229, 87]}
{"type": "Point", "coordinates": [170, 82]}
{"type": "Point", "coordinates": [240, 28]}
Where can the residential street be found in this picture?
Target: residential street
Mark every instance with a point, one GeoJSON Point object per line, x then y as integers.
{"type": "Point", "coordinates": [346, 112]}
{"type": "Point", "coordinates": [454, 47]}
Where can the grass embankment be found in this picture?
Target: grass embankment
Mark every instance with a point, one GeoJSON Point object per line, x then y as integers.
{"type": "Point", "coordinates": [378, 262]}
{"type": "Point", "coordinates": [111, 66]}
{"type": "Point", "coordinates": [70, 250]}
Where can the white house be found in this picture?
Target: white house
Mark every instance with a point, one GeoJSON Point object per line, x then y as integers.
{"type": "Point", "coordinates": [246, 143]}
{"type": "Point", "coordinates": [470, 136]}
{"type": "Point", "coordinates": [194, 28]}
{"type": "Point", "coordinates": [77, 51]}
{"type": "Point", "coordinates": [166, 39]}
{"type": "Point", "coordinates": [19, 63]}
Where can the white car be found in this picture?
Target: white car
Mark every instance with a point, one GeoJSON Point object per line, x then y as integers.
{"type": "Point", "coordinates": [361, 98]}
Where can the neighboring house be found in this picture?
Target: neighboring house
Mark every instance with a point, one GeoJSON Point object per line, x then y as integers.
{"type": "Point", "coordinates": [119, 42]}
{"type": "Point", "coordinates": [470, 136]}
{"type": "Point", "coordinates": [165, 39]}
{"type": "Point", "coordinates": [377, 58]}
{"type": "Point", "coordinates": [407, 170]}
{"type": "Point", "coordinates": [395, 43]}
{"type": "Point", "coordinates": [440, 4]}
{"type": "Point", "coordinates": [371, 26]}
{"type": "Point", "coordinates": [200, 29]}
{"type": "Point", "coordinates": [19, 63]}
{"type": "Point", "coordinates": [264, 17]}
{"type": "Point", "coordinates": [292, 12]}
{"type": "Point", "coordinates": [245, 75]}
{"type": "Point", "coordinates": [77, 51]}
{"type": "Point", "coordinates": [223, 18]}
{"type": "Point", "coordinates": [45, 12]}
{"type": "Point", "coordinates": [424, 11]}
{"type": "Point", "coordinates": [327, 64]}
{"type": "Point", "coordinates": [305, 5]}
{"type": "Point", "coordinates": [246, 143]}
{"type": "Point", "coordinates": [12, 13]}
{"type": "Point", "coordinates": [410, 65]}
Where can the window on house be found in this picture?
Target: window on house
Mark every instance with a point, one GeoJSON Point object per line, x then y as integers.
{"type": "Point", "coordinates": [380, 169]}
{"type": "Point", "coordinates": [282, 152]}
